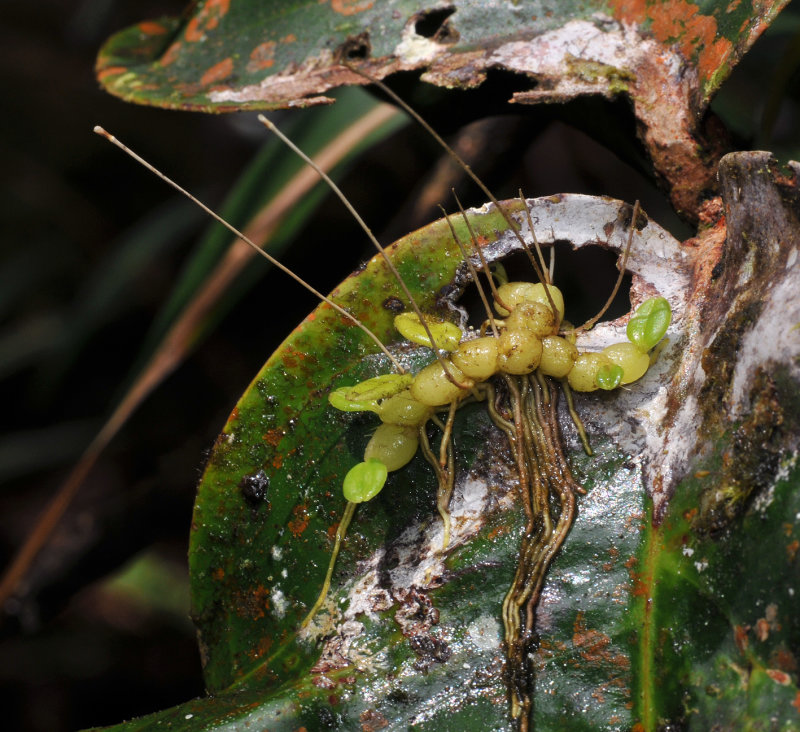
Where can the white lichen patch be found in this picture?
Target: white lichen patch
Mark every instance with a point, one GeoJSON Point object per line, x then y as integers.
{"type": "Point", "coordinates": [764, 499]}
{"type": "Point", "coordinates": [771, 339]}
{"type": "Point", "coordinates": [702, 565]}
{"type": "Point", "coordinates": [485, 632]}
{"type": "Point", "coordinates": [278, 602]}
{"type": "Point", "coordinates": [415, 49]}
{"type": "Point", "coordinates": [419, 564]}
{"type": "Point", "coordinates": [583, 57]}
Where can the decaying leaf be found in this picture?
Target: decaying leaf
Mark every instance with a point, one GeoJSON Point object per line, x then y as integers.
{"type": "Point", "coordinates": [668, 58]}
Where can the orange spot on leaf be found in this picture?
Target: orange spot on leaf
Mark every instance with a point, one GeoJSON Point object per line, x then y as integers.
{"type": "Point", "coordinates": [299, 523]}
{"type": "Point", "coordinates": [218, 72]}
{"type": "Point", "coordinates": [111, 71]}
{"type": "Point", "coordinates": [350, 7]}
{"type": "Point", "coordinates": [783, 659]}
{"type": "Point", "coordinates": [272, 437]}
{"type": "Point", "coordinates": [740, 637]}
{"type": "Point", "coordinates": [171, 54]}
{"type": "Point", "coordinates": [263, 647]}
{"type": "Point", "coordinates": [207, 19]}
{"type": "Point", "coordinates": [595, 647]}
{"type": "Point", "coordinates": [234, 415]}
{"type": "Point", "coordinates": [194, 31]}
{"type": "Point", "coordinates": [713, 57]}
{"type": "Point", "coordinates": [631, 11]}
{"type": "Point", "coordinates": [680, 23]}
{"type": "Point", "coordinates": [779, 677]}
{"type": "Point", "coordinates": [252, 602]}
{"type": "Point", "coordinates": [262, 57]}
{"type": "Point", "coordinates": [151, 28]}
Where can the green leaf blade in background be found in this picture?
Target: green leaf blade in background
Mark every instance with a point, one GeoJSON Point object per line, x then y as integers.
{"type": "Point", "coordinates": [726, 608]}
{"type": "Point", "coordinates": [272, 171]}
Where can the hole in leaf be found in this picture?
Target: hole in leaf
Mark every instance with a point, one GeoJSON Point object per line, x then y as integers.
{"type": "Point", "coordinates": [433, 24]}
{"type": "Point", "coordinates": [355, 48]}
{"type": "Point", "coordinates": [586, 278]}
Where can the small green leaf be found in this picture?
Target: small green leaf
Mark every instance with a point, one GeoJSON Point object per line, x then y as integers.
{"type": "Point", "coordinates": [365, 395]}
{"type": "Point", "coordinates": [364, 481]}
{"type": "Point", "coordinates": [609, 376]}
{"type": "Point", "coordinates": [650, 322]}
{"type": "Point", "coordinates": [446, 335]}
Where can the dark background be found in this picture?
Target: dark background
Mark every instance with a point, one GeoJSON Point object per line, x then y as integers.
{"type": "Point", "coordinates": [91, 247]}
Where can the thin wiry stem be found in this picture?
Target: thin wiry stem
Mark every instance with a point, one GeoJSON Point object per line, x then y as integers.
{"type": "Point", "coordinates": [473, 272]}
{"type": "Point", "coordinates": [622, 268]}
{"type": "Point", "coordinates": [461, 163]}
{"type": "Point", "coordinates": [100, 131]}
{"type": "Point", "coordinates": [341, 531]}
{"type": "Point", "coordinates": [547, 274]}
{"type": "Point", "coordinates": [349, 206]}
{"type": "Point", "coordinates": [484, 264]}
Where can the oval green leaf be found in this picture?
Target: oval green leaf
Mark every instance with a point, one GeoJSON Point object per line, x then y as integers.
{"type": "Point", "coordinates": [366, 395]}
{"type": "Point", "coordinates": [649, 324]}
{"type": "Point", "coordinates": [364, 481]}
{"type": "Point", "coordinates": [446, 335]}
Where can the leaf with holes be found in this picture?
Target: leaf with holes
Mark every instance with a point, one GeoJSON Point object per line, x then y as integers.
{"type": "Point", "coordinates": [411, 634]}
{"type": "Point", "coordinates": [667, 57]}
{"type": "Point", "coordinates": [673, 601]}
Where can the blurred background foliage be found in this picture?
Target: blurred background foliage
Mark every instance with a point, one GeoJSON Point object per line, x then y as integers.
{"type": "Point", "coordinates": [92, 248]}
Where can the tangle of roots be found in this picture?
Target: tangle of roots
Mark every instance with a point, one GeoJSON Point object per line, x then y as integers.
{"type": "Point", "coordinates": [524, 408]}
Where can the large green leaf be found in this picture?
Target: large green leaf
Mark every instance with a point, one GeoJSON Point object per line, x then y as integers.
{"type": "Point", "coordinates": [673, 601]}
{"type": "Point", "coordinates": [416, 638]}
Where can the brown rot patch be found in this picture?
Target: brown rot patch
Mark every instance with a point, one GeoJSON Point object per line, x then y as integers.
{"type": "Point", "coordinates": [393, 304]}
{"type": "Point", "coordinates": [429, 650]}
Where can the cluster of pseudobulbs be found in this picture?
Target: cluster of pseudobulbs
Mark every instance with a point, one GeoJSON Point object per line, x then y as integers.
{"type": "Point", "coordinates": [527, 340]}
